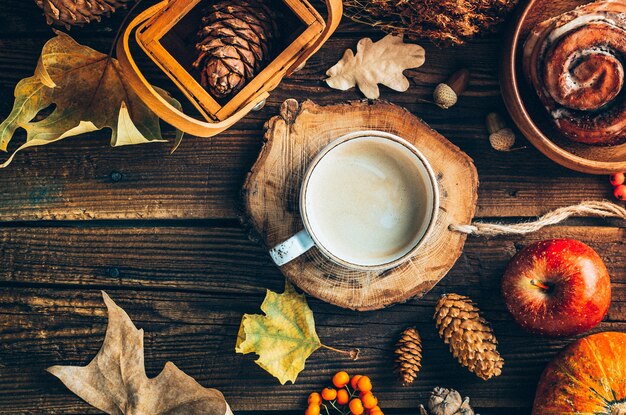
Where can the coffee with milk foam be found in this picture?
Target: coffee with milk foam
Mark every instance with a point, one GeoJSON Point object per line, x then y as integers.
{"type": "Point", "coordinates": [366, 201]}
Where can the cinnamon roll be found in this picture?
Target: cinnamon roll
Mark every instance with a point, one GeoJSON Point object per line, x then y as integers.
{"type": "Point", "coordinates": [575, 62]}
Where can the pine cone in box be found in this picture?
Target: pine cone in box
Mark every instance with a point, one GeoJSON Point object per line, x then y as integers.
{"type": "Point", "coordinates": [408, 355]}
{"type": "Point", "coordinates": [470, 337]}
{"type": "Point", "coordinates": [78, 12]}
{"type": "Point", "coordinates": [234, 43]}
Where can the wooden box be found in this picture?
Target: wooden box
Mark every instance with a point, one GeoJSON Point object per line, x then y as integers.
{"type": "Point", "coordinates": [165, 32]}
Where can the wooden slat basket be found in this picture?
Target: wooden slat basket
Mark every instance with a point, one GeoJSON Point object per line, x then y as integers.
{"type": "Point", "coordinates": [162, 32]}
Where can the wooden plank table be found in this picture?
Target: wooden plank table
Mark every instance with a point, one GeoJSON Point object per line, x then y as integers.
{"type": "Point", "coordinates": [162, 235]}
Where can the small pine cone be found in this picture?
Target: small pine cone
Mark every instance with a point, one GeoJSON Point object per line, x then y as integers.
{"type": "Point", "coordinates": [408, 355]}
{"type": "Point", "coordinates": [234, 43]}
{"type": "Point", "coordinates": [447, 402]}
{"type": "Point", "coordinates": [469, 335]}
{"type": "Point", "coordinates": [69, 13]}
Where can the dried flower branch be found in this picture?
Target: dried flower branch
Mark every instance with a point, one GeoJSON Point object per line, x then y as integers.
{"type": "Point", "coordinates": [444, 22]}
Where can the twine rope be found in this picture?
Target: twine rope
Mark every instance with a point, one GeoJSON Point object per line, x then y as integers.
{"type": "Point", "coordinates": [588, 208]}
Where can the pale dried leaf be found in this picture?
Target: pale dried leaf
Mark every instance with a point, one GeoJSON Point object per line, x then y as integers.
{"type": "Point", "coordinates": [89, 92]}
{"type": "Point", "coordinates": [115, 380]}
{"type": "Point", "coordinates": [382, 62]}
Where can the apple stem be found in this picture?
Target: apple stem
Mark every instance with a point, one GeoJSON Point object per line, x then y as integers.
{"type": "Point", "coordinates": [540, 284]}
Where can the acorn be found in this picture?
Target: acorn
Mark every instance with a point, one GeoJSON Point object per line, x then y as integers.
{"type": "Point", "coordinates": [501, 137]}
{"type": "Point", "coordinates": [447, 94]}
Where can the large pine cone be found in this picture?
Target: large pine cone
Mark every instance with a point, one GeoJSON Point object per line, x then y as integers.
{"type": "Point", "coordinates": [470, 337]}
{"type": "Point", "coordinates": [233, 44]}
{"type": "Point", "coordinates": [78, 12]}
{"type": "Point", "coordinates": [408, 355]}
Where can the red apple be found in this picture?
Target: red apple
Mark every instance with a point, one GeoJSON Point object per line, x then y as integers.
{"type": "Point", "coordinates": [558, 287]}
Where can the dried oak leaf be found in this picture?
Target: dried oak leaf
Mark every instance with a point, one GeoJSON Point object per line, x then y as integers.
{"type": "Point", "coordinates": [89, 92]}
{"type": "Point", "coordinates": [376, 63]}
{"type": "Point", "coordinates": [115, 380]}
{"type": "Point", "coordinates": [283, 338]}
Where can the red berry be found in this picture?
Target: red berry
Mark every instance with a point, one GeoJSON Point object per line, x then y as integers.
{"type": "Point", "coordinates": [620, 192]}
{"type": "Point", "coordinates": [617, 179]}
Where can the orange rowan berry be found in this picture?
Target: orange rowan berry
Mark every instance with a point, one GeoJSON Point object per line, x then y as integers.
{"type": "Point", "coordinates": [356, 406]}
{"type": "Point", "coordinates": [314, 398]}
{"type": "Point", "coordinates": [342, 396]}
{"type": "Point", "coordinates": [369, 400]}
{"type": "Point", "coordinates": [313, 409]}
{"type": "Point", "coordinates": [329, 394]}
{"type": "Point", "coordinates": [364, 384]}
{"type": "Point", "coordinates": [617, 178]}
{"type": "Point", "coordinates": [341, 379]}
{"type": "Point", "coordinates": [620, 192]}
{"type": "Point", "coordinates": [354, 381]}
{"type": "Point", "coordinates": [376, 411]}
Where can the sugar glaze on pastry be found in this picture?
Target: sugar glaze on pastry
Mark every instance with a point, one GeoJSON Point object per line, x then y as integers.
{"type": "Point", "coordinates": [575, 62]}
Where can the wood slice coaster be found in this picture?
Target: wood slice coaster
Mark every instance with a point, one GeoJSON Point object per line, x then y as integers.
{"type": "Point", "coordinates": [271, 194]}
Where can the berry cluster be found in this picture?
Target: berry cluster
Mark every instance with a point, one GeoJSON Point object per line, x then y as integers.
{"type": "Point", "coordinates": [617, 180]}
{"type": "Point", "coordinates": [350, 396]}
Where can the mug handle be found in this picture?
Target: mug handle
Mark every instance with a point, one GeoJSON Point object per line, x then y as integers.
{"type": "Point", "coordinates": [292, 248]}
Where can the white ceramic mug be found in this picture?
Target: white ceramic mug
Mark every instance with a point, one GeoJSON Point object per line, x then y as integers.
{"type": "Point", "coordinates": [368, 202]}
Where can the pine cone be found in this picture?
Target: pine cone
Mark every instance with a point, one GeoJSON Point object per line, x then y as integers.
{"type": "Point", "coordinates": [470, 337]}
{"type": "Point", "coordinates": [408, 355]}
{"type": "Point", "coordinates": [447, 402]}
{"type": "Point", "coordinates": [78, 12]}
{"type": "Point", "coordinates": [233, 44]}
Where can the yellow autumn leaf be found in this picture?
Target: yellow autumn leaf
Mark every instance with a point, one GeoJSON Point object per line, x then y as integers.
{"type": "Point", "coordinates": [89, 92]}
{"type": "Point", "coordinates": [284, 337]}
{"type": "Point", "coordinates": [115, 380]}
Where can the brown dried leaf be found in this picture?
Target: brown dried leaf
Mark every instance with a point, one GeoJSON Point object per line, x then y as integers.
{"type": "Point", "coordinates": [115, 380]}
{"type": "Point", "coordinates": [89, 92]}
{"type": "Point", "coordinates": [376, 63]}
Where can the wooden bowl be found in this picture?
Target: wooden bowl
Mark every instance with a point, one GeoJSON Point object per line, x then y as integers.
{"type": "Point", "coordinates": [528, 112]}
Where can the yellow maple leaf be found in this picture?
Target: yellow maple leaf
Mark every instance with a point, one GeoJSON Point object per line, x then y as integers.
{"type": "Point", "coordinates": [89, 92]}
{"type": "Point", "coordinates": [284, 337]}
{"type": "Point", "coordinates": [115, 380]}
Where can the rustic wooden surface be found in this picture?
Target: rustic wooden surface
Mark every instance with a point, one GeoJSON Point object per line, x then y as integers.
{"type": "Point", "coordinates": [161, 234]}
{"type": "Point", "coordinates": [272, 192]}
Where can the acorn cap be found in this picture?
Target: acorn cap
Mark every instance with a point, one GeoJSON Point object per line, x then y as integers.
{"type": "Point", "coordinates": [502, 140]}
{"type": "Point", "coordinates": [444, 96]}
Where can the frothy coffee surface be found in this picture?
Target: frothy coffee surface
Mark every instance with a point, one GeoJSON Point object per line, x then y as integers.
{"type": "Point", "coordinates": [367, 202]}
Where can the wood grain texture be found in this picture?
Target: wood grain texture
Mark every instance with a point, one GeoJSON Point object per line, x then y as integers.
{"type": "Point", "coordinates": [186, 272]}
{"type": "Point", "coordinates": [272, 195]}
{"type": "Point", "coordinates": [170, 284]}
{"type": "Point", "coordinates": [70, 180]}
